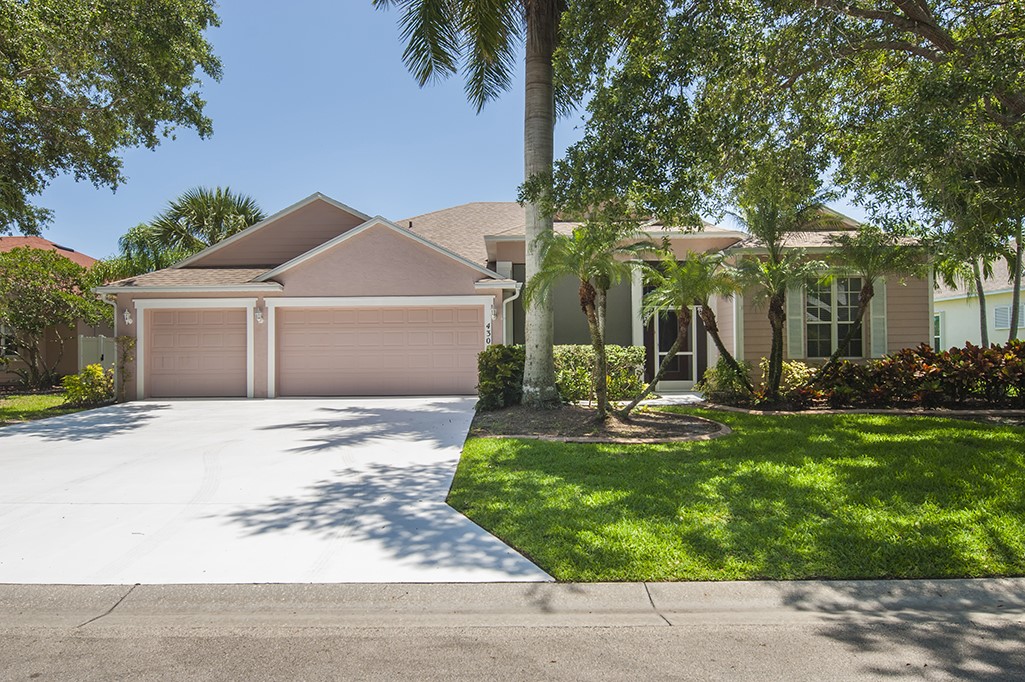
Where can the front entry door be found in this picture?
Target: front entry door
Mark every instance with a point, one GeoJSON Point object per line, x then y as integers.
{"type": "Point", "coordinates": [692, 358]}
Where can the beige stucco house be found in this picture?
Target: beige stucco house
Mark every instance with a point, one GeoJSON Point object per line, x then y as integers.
{"type": "Point", "coordinates": [322, 299]}
{"type": "Point", "coordinates": [67, 347]}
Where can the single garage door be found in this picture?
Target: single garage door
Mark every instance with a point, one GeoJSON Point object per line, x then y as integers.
{"type": "Point", "coordinates": [378, 351]}
{"type": "Point", "coordinates": [196, 353]}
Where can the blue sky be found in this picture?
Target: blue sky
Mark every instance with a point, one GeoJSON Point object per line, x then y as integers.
{"type": "Point", "coordinates": [314, 98]}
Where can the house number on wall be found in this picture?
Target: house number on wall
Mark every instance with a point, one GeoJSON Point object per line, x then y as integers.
{"type": "Point", "coordinates": [487, 334]}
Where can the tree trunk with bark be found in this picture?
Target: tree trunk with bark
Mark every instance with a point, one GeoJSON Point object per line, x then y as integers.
{"type": "Point", "coordinates": [591, 302]}
{"type": "Point", "coordinates": [981, 293]}
{"type": "Point", "coordinates": [712, 327]}
{"type": "Point", "coordinates": [682, 325]}
{"type": "Point", "coordinates": [538, 150]}
{"type": "Point", "coordinates": [777, 318]}
{"type": "Point", "coordinates": [1016, 289]}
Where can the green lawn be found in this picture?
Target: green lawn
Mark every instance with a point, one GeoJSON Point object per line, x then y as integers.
{"type": "Point", "coordinates": [26, 407]}
{"type": "Point", "coordinates": [783, 497]}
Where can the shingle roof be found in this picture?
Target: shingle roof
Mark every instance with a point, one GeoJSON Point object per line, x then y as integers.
{"type": "Point", "coordinates": [462, 228]}
{"type": "Point", "coordinates": [193, 277]}
{"type": "Point", "coordinates": [1000, 281]}
{"type": "Point", "coordinates": [807, 240]}
{"type": "Point", "coordinates": [11, 243]}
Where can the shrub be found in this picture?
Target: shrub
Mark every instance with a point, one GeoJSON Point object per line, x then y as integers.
{"type": "Point", "coordinates": [500, 377]}
{"type": "Point", "coordinates": [500, 374]}
{"type": "Point", "coordinates": [92, 386]}
{"type": "Point", "coordinates": [721, 384]}
{"type": "Point", "coordinates": [574, 368]}
{"type": "Point", "coordinates": [992, 377]}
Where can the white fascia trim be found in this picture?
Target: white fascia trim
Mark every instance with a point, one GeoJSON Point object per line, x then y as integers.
{"type": "Point", "coordinates": [497, 285]}
{"type": "Point", "coordinates": [316, 196]}
{"type": "Point", "coordinates": [226, 288]}
{"type": "Point", "coordinates": [377, 301]}
{"type": "Point", "coordinates": [143, 304]}
{"type": "Point", "coordinates": [373, 222]}
{"type": "Point", "coordinates": [955, 297]}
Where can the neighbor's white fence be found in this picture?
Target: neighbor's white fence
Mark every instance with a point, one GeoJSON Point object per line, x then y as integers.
{"type": "Point", "coordinates": [96, 349]}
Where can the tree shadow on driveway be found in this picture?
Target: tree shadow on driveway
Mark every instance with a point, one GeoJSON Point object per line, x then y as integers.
{"type": "Point", "coordinates": [399, 509]}
{"type": "Point", "coordinates": [439, 424]}
{"type": "Point", "coordinates": [95, 424]}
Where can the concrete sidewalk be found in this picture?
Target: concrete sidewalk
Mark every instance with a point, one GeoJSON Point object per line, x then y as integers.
{"type": "Point", "coordinates": [84, 607]}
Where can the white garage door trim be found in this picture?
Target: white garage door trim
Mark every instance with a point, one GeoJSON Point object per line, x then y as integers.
{"type": "Point", "coordinates": [487, 302]}
{"type": "Point", "coordinates": [181, 303]}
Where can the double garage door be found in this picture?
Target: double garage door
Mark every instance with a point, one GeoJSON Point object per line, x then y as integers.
{"type": "Point", "coordinates": [320, 351]}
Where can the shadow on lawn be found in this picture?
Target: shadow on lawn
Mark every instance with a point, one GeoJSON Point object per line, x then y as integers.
{"type": "Point", "coordinates": [783, 498]}
{"type": "Point", "coordinates": [399, 508]}
{"type": "Point", "coordinates": [96, 424]}
{"type": "Point", "coordinates": [441, 424]}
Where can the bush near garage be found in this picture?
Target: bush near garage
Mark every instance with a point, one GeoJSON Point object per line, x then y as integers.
{"type": "Point", "coordinates": [500, 374]}
{"type": "Point", "coordinates": [90, 387]}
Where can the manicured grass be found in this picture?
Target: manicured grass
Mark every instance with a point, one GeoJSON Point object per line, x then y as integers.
{"type": "Point", "coordinates": [26, 407]}
{"type": "Point", "coordinates": [783, 497]}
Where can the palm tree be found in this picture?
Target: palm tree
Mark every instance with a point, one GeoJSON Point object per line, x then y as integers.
{"type": "Point", "coordinates": [675, 286]}
{"type": "Point", "coordinates": [869, 253]}
{"type": "Point", "coordinates": [967, 254]}
{"type": "Point", "coordinates": [200, 218]}
{"type": "Point", "coordinates": [598, 255]}
{"type": "Point", "coordinates": [140, 252]}
{"type": "Point", "coordinates": [484, 37]}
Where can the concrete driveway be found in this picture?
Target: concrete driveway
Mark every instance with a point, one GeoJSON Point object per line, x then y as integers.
{"type": "Point", "coordinates": [235, 491]}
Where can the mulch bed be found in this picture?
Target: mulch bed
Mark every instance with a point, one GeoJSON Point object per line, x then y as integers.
{"type": "Point", "coordinates": [577, 423]}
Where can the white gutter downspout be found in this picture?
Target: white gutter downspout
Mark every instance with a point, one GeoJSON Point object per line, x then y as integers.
{"type": "Point", "coordinates": [112, 300]}
{"type": "Point", "coordinates": [507, 320]}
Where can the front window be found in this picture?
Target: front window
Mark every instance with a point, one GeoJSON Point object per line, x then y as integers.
{"type": "Point", "coordinates": [831, 312]}
{"type": "Point", "coordinates": [6, 341]}
{"type": "Point", "coordinates": [937, 331]}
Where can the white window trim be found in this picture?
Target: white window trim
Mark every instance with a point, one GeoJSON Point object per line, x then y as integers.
{"type": "Point", "coordinates": [1009, 307]}
{"type": "Point", "coordinates": [834, 324]}
{"type": "Point", "coordinates": [941, 315]}
{"type": "Point", "coordinates": [142, 306]}
{"type": "Point", "coordinates": [487, 302]}
{"type": "Point", "coordinates": [5, 331]}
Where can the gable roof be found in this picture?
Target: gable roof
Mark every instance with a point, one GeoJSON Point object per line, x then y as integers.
{"type": "Point", "coordinates": [316, 196]}
{"type": "Point", "coordinates": [11, 243]}
{"type": "Point", "coordinates": [371, 223]}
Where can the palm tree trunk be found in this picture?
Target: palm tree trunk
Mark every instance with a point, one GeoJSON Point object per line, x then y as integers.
{"type": "Point", "coordinates": [682, 325]}
{"type": "Point", "coordinates": [1016, 290]}
{"type": "Point", "coordinates": [777, 316]}
{"type": "Point", "coordinates": [712, 327]}
{"type": "Point", "coordinates": [538, 151]}
{"type": "Point", "coordinates": [983, 321]}
{"type": "Point", "coordinates": [864, 298]}
{"type": "Point", "coordinates": [599, 378]}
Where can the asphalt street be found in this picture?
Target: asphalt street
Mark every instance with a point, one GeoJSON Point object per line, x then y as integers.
{"type": "Point", "coordinates": [921, 630]}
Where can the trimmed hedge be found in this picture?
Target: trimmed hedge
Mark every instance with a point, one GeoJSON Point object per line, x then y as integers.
{"type": "Point", "coordinates": [500, 374]}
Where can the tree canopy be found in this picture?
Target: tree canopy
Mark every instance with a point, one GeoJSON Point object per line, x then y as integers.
{"type": "Point", "coordinates": [81, 80]}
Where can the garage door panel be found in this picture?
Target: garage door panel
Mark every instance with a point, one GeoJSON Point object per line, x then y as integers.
{"type": "Point", "coordinates": [379, 351]}
{"type": "Point", "coordinates": [196, 353]}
